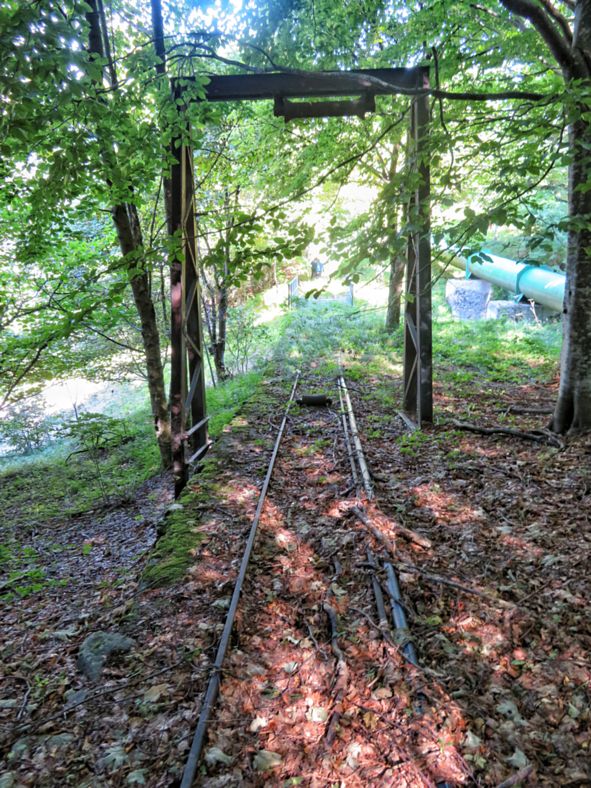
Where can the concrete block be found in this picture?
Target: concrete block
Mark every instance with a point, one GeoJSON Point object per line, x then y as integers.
{"type": "Point", "coordinates": [520, 312]}
{"type": "Point", "coordinates": [468, 298]}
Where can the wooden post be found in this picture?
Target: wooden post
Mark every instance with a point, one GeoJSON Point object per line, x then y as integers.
{"type": "Point", "coordinates": [177, 371]}
{"type": "Point", "coordinates": [418, 365]}
{"type": "Point", "coordinates": [187, 397]}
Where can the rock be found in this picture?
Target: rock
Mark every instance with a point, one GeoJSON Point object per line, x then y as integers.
{"type": "Point", "coordinates": [7, 780]}
{"type": "Point", "coordinates": [258, 723]}
{"type": "Point", "coordinates": [214, 756]}
{"type": "Point", "coordinates": [74, 697]}
{"type": "Point", "coordinates": [96, 650]}
{"type": "Point", "coordinates": [468, 298]}
{"type": "Point", "coordinates": [265, 759]}
{"type": "Point", "coordinates": [317, 714]}
{"type": "Point", "coordinates": [511, 309]}
{"type": "Point", "coordinates": [19, 751]}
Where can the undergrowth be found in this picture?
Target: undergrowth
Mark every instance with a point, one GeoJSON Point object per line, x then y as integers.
{"type": "Point", "coordinates": [46, 491]}
{"type": "Point", "coordinates": [317, 337]}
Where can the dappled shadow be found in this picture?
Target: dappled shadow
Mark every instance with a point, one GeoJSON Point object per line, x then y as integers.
{"type": "Point", "coordinates": [289, 708]}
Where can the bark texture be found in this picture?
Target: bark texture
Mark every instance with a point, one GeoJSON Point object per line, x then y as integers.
{"type": "Point", "coordinates": [394, 292]}
{"type": "Point", "coordinates": [127, 222]}
{"type": "Point", "coordinates": [573, 406]}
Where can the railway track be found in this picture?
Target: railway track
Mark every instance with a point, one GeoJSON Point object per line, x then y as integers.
{"type": "Point", "coordinates": [325, 592]}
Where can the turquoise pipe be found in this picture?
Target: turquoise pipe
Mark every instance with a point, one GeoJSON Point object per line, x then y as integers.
{"type": "Point", "coordinates": [538, 283]}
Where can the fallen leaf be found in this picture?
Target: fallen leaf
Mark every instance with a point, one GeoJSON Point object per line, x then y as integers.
{"type": "Point", "coordinates": [265, 759]}
{"type": "Point", "coordinates": [153, 694]}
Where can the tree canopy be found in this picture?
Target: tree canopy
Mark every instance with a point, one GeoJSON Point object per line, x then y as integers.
{"type": "Point", "coordinates": [88, 116]}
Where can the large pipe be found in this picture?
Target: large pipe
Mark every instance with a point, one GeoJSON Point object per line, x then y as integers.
{"type": "Point", "coordinates": [538, 283]}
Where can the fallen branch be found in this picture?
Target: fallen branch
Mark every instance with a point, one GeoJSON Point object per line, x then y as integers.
{"type": "Point", "coordinates": [384, 626]}
{"type": "Point", "coordinates": [411, 535]}
{"type": "Point", "coordinates": [539, 436]}
{"type": "Point", "coordinates": [518, 777]}
{"type": "Point", "coordinates": [545, 410]}
{"type": "Point", "coordinates": [454, 584]}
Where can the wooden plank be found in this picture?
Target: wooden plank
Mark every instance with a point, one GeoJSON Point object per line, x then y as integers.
{"type": "Point", "coordinates": [254, 87]}
{"type": "Point", "coordinates": [197, 426]}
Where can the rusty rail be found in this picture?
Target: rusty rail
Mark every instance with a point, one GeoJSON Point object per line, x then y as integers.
{"type": "Point", "coordinates": [213, 686]}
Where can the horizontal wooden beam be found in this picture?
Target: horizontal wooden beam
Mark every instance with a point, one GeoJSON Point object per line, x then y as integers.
{"type": "Point", "coordinates": [254, 87]}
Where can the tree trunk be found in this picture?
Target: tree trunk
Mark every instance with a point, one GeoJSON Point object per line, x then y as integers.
{"type": "Point", "coordinates": [571, 47]}
{"type": "Point", "coordinates": [394, 292]}
{"type": "Point", "coordinates": [573, 407]}
{"type": "Point", "coordinates": [127, 223]}
{"type": "Point", "coordinates": [219, 348]}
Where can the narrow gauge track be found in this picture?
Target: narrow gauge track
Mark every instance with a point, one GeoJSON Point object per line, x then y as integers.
{"type": "Point", "coordinates": [345, 702]}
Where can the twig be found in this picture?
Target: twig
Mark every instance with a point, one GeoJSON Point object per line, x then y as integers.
{"type": "Point", "coordinates": [453, 584]}
{"type": "Point", "coordinates": [21, 711]}
{"type": "Point", "coordinates": [544, 410]}
{"type": "Point", "coordinates": [422, 541]}
{"type": "Point", "coordinates": [384, 627]}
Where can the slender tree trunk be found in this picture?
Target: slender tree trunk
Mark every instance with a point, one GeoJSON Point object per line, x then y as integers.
{"type": "Point", "coordinates": [394, 292]}
{"type": "Point", "coordinates": [573, 407]}
{"type": "Point", "coordinates": [219, 348]}
{"type": "Point", "coordinates": [127, 223]}
{"type": "Point", "coordinates": [571, 47]}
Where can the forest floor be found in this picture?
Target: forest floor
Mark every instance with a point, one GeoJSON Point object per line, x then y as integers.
{"type": "Point", "coordinates": [505, 660]}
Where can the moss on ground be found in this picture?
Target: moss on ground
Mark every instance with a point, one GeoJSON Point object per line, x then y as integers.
{"type": "Point", "coordinates": [181, 532]}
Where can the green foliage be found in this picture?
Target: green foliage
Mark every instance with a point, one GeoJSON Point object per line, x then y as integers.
{"type": "Point", "coordinates": [50, 487]}
{"type": "Point", "coordinates": [96, 432]}
{"type": "Point", "coordinates": [20, 573]}
{"type": "Point", "coordinates": [496, 350]}
{"type": "Point", "coordinates": [246, 339]}
{"type": "Point", "coordinates": [26, 428]}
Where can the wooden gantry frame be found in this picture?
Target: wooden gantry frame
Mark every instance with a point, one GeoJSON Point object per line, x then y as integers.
{"type": "Point", "coordinates": [327, 89]}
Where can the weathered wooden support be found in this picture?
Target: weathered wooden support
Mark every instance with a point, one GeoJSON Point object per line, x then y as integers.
{"type": "Point", "coordinates": [418, 365]}
{"type": "Point", "coordinates": [187, 380]}
{"type": "Point", "coordinates": [187, 387]}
